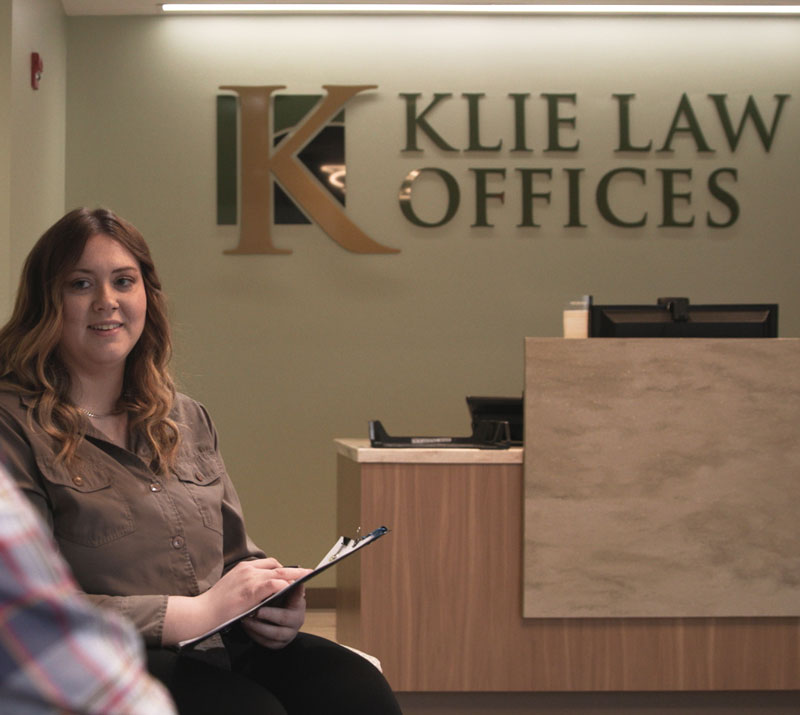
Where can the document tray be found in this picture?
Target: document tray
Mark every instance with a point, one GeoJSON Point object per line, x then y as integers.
{"type": "Point", "coordinates": [487, 434]}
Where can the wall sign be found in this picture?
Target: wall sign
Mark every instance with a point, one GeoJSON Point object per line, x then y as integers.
{"type": "Point", "coordinates": [288, 170]}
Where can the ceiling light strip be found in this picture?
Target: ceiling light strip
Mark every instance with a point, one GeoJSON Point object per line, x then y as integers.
{"type": "Point", "coordinates": [469, 9]}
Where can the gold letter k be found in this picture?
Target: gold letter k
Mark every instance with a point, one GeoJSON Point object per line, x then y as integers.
{"type": "Point", "coordinates": [259, 163]}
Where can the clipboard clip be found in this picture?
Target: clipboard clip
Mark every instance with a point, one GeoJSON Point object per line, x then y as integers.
{"type": "Point", "coordinates": [346, 544]}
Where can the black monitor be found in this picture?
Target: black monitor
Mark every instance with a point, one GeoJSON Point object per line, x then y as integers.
{"type": "Point", "coordinates": [676, 318]}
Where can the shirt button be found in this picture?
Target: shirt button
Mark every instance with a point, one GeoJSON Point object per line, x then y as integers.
{"type": "Point", "coordinates": [155, 487]}
{"type": "Point", "coordinates": [177, 542]}
{"type": "Point", "coordinates": [77, 481]}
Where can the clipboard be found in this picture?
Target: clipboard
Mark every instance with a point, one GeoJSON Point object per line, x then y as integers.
{"type": "Point", "coordinates": [343, 548]}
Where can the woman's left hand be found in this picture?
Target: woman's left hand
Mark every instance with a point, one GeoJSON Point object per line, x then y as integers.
{"type": "Point", "coordinates": [276, 627]}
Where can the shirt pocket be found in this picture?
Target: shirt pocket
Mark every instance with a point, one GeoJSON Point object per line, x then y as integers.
{"type": "Point", "coordinates": [87, 508]}
{"type": "Point", "coordinates": [200, 473]}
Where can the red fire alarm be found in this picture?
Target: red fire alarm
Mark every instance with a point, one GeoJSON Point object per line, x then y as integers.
{"type": "Point", "coordinates": [37, 67]}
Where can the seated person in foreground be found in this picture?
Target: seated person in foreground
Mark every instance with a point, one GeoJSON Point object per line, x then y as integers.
{"type": "Point", "coordinates": [57, 652]}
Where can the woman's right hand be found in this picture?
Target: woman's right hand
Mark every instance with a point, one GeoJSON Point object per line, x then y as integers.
{"type": "Point", "coordinates": [245, 585]}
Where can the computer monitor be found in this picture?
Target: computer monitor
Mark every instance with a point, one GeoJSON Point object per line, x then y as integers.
{"type": "Point", "coordinates": [677, 318]}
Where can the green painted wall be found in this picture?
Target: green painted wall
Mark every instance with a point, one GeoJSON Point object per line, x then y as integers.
{"type": "Point", "coordinates": [289, 352]}
{"type": "Point", "coordinates": [32, 131]}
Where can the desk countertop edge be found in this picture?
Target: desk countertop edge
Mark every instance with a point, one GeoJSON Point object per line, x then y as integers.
{"type": "Point", "coordinates": [359, 450]}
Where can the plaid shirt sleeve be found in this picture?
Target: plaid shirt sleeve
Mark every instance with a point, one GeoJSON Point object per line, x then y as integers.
{"type": "Point", "coordinates": [57, 652]}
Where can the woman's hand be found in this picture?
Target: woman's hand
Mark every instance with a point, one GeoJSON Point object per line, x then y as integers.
{"type": "Point", "coordinates": [276, 627]}
{"type": "Point", "coordinates": [241, 588]}
{"type": "Point", "coordinates": [246, 584]}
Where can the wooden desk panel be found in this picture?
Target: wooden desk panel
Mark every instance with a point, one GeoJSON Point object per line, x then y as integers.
{"type": "Point", "coordinates": [439, 600]}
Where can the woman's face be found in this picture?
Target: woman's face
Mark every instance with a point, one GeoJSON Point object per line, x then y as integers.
{"type": "Point", "coordinates": [104, 308]}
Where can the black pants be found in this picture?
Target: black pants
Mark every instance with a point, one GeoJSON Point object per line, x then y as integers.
{"type": "Point", "coordinates": [311, 675]}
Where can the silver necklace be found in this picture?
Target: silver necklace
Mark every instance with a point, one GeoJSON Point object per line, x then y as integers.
{"type": "Point", "coordinates": [96, 416]}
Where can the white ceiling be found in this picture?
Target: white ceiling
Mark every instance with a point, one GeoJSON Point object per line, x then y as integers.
{"type": "Point", "coordinates": [111, 7]}
{"type": "Point", "coordinates": [153, 7]}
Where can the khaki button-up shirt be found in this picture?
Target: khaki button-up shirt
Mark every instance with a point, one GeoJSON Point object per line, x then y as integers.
{"type": "Point", "coordinates": [131, 537]}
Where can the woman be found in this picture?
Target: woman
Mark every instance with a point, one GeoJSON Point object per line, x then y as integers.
{"type": "Point", "coordinates": [128, 475]}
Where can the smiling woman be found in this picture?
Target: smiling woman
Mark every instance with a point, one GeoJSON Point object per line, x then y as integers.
{"type": "Point", "coordinates": [103, 318]}
{"type": "Point", "coordinates": [128, 475]}
{"type": "Point", "coordinates": [89, 299]}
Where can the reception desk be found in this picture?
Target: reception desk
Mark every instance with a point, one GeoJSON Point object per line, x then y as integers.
{"type": "Point", "coordinates": [439, 599]}
{"type": "Point", "coordinates": [658, 471]}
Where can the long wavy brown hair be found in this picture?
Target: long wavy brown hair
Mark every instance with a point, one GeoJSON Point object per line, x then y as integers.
{"type": "Point", "coordinates": [29, 359]}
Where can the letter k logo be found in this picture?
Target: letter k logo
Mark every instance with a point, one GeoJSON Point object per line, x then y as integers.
{"type": "Point", "coordinates": [261, 163]}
